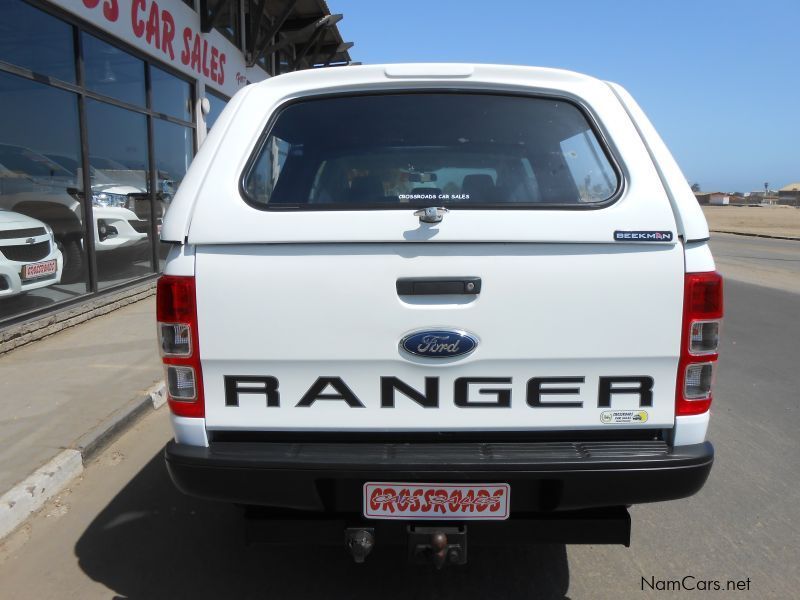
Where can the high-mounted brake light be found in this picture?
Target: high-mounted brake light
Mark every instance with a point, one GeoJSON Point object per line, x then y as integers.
{"type": "Point", "coordinates": [702, 316]}
{"type": "Point", "coordinates": [176, 312]}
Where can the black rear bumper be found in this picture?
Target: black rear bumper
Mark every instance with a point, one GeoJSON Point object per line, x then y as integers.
{"type": "Point", "coordinates": [544, 476]}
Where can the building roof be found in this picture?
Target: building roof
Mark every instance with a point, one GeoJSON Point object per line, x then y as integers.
{"type": "Point", "coordinates": [304, 32]}
{"type": "Point", "coordinates": [792, 187]}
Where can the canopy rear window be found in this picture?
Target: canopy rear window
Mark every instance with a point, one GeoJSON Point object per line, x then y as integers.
{"type": "Point", "coordinates": [461, 150]}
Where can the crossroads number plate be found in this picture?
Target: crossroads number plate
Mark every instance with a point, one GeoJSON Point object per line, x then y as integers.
{"type": "Point", "coordinates": [437, 501]}
{"type": "Point", "coordinates": [42, 269]}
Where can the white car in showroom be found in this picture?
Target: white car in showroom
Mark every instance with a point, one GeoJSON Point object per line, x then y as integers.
{"type": "Point", "coordinates": [33, 184]}
{"type": "Point", "coordinates": [29, 256]}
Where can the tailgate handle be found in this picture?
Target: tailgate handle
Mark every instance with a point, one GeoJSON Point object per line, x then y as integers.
{"type": "Point", "coordinates": [430, 286]}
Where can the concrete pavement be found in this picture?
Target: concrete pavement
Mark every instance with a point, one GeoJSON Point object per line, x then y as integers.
{"type": "Point", "coordinates": [71, 390]}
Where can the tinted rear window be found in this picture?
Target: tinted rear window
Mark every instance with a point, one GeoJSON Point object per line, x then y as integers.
{"type": "Point", "coordinates": [424, 149]}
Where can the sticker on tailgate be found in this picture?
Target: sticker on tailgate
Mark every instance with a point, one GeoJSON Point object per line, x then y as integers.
{"type": "Point", "coordinates": [442, 501]}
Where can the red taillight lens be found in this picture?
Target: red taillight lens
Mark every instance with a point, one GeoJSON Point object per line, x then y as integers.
{"type": "Point", "coordinates": [704, 295]}
{"type": "Point", "coordinates": [176, 312]}
{"type": "Point", "coordinates": [702, 314]}
{"type": "Point", "coordinates": [175, 299]}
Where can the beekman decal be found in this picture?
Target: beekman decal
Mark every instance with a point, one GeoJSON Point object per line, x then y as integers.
{"type": "Point", "coordinates": [643, 236]}
{"type": "Point", "coordinates": [468, 392]}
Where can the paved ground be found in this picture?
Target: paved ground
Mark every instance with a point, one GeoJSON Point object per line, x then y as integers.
{"type": "Point", "coordinates": [57, 389]}
{"type": "Point", "coordinates": [765, 262]}
{"type": "Point", "coordinates": [123, 531]}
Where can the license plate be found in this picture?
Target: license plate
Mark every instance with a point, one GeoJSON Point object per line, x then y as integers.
{"type": "Point", "coordinates": [437, 501]}
{"type": "Point", "coordinates": [42, 269]}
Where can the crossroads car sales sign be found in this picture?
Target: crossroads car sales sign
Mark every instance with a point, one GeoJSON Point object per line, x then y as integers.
{"type": "Point", "coordinates": [169, 31]}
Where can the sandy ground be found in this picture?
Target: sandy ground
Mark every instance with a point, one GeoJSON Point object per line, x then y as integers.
{"type": "Point", "coordinates": [762, 220]}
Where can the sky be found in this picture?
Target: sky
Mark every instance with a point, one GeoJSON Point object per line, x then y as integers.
{"type": "Point", "coordinates": [719, 79]}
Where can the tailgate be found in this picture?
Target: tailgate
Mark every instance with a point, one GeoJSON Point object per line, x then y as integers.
{"type": "Point", "coordinates": [308, 336]}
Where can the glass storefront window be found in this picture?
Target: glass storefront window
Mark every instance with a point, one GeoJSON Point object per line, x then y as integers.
{"type": "Point", "coordinates": [171, 95]}
{"type": "Point", "coordinates": [118, 159]}
{"type": "Point", "coordinates": [174, 149]}
{"type": "Point", "coordinates": [217, 104]}
{"type": "Point", "coordinates": [45, 237]}
{"type": "Point", "coordinates": [112, 71]}
{"type": "Point", "coordinates": [34, 40]}
{"type": "Point", "coordinates": [42, 258]}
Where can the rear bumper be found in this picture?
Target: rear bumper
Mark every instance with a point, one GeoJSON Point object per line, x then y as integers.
{"type": "Point", "coordinates": [544, 476]}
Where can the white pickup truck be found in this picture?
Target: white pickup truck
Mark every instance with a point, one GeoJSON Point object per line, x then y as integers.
{"type": "Point", "coordinates": [424, 299]}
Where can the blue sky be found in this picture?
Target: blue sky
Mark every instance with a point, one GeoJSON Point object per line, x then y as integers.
{"type": "Point", "coordinates": [719, 79]}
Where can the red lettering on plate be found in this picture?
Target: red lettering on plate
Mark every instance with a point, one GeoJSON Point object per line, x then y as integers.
{"type": "Point", "coordinates": [390, 497]}
{"type": "Point", "coordinates": [436, 500]}
{"type": "Point", "coordinates": [495, 506]}
{"type": "Point", "coordinates": [455, 500]}
{"type": "Point", "coordinates": [417, 505]}
{"type": "Point", "coordinates": [403, 499]}
{"type": "Point", "coordinates": [469, 502]}
{"type": "Point", "coordinates": [428, 495]}
{"type": "Point", "coordinates": [373, 502]}
{"type": "Point", "coordinates": [482, 505]}
{"type": "Point", "coordinates": [439, 500]}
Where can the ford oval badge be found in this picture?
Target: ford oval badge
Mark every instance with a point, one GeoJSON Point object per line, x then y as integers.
{"type": "Point", "coordinates": [439, 343]}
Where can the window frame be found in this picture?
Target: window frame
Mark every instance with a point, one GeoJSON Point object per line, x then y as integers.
{"type": "Point", "coordinates": [604, 141]}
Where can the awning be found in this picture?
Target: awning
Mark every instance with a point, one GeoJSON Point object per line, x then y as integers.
{"type": "Point", "coordinates": [303, 32]}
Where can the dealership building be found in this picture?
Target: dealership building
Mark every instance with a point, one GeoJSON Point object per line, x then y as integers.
{"type": "Point", "coordinates": [104, 104]}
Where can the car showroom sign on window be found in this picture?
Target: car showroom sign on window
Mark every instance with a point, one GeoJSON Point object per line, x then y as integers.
{"type": "Point", "coordinates": [169, 31]}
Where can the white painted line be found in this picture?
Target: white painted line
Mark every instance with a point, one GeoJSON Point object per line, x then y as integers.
{"type": "Point", "coordinates": [28, 496]}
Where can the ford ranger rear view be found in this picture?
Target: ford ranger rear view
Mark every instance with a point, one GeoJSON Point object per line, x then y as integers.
{"type": "Point", "coordinates": [433, 303]}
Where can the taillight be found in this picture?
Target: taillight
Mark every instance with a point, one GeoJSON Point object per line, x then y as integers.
{"type": "Point", "coordinates": [702, 315]}
{"type": "Point", "coordinates": [176, 313]}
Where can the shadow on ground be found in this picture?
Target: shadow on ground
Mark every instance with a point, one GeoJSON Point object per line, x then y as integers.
{"type": "Point", "coordinates": [151, 542]}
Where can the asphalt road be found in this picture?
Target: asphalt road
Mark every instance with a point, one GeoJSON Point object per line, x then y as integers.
{"type": "Point", "coordinates": [761, 261]}
{"type": "Point", "coordinates": [124, 531]}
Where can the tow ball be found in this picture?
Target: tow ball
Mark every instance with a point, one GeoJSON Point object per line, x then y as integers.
{"type": "Point", "coordinates": [438, 546]}
{"type": "Point", "coordinates": [359, 541]}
